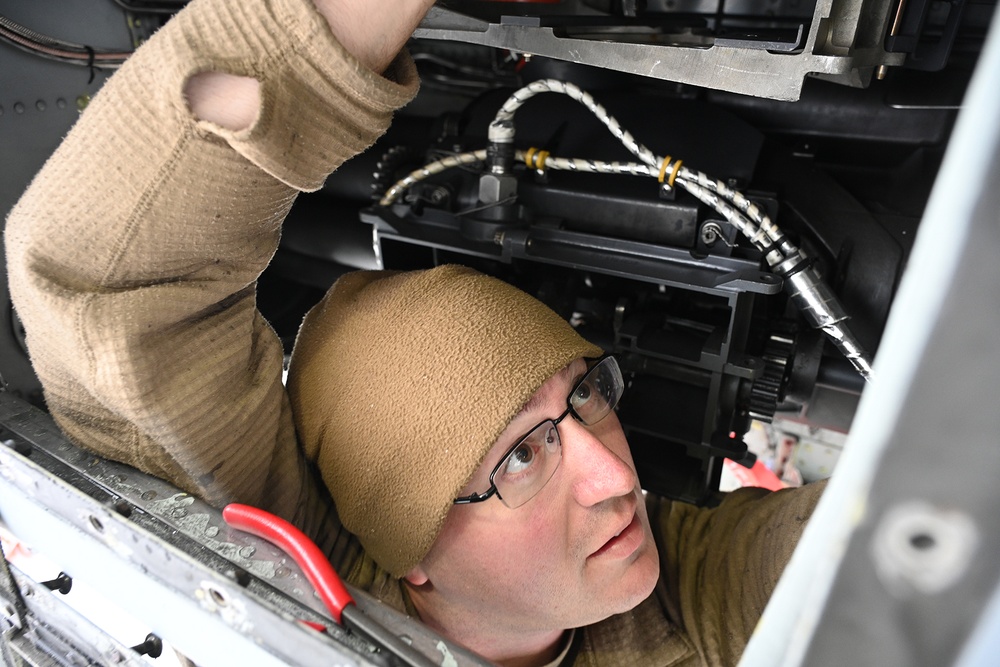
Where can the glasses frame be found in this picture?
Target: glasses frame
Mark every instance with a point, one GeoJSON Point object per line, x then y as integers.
{"type": "Point", "coordinates": [493, 490]}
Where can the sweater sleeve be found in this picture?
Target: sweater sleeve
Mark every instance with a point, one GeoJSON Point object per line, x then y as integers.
{"type": "Point", "coordinates": [134, 254]}
{"type": "Point", "coordinates": [720, 565]}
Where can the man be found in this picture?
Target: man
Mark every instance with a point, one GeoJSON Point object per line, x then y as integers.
{"type": "Point", "coordinates": [466, 433]}
{"type": "Point", "coordinates": [550, 531]}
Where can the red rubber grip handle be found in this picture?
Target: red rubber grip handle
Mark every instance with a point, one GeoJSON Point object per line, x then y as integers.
{"type": "Point", "coordinates": [303, 551]}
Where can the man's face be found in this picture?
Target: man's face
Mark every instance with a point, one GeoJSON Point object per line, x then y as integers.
{"type": "Point", "coordinates": [579, 551]}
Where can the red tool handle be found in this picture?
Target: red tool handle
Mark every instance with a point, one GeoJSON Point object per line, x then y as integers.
{"type": "Point", "coordinates": [303, 551]}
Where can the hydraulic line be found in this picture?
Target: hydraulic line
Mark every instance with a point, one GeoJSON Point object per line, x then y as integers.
{"type": "Point", "coordinates": [802, 281]}
{"type": "Point", "coordinates": [429, 169]}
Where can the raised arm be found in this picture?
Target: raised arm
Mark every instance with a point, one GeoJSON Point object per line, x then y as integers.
{"type": "Point", "coordinates": [371, 32]}
{"type": "Point", "coordinates": [133, 255]}
{"type": "Point", "coordinates": [721, 565]}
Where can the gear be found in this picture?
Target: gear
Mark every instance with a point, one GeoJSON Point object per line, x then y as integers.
{"type": "Point", "coordinates": [393, 165]}
{"type": "Point", "coordinates": [769, 387]}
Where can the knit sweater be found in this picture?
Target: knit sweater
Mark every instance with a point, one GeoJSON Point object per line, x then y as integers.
{"type": "Point", "coordinates": [133, 259]}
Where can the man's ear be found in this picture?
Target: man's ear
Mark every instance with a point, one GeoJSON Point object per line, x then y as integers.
{"type": "Point", "coordinates": [417, 576]}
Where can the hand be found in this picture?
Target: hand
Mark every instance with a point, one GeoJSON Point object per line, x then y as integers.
{"type": "Point", "coordinates": [373, 32]}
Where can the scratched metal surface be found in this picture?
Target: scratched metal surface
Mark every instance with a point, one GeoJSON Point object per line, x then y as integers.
{"type": "Point", "coordinates": [120, 525]}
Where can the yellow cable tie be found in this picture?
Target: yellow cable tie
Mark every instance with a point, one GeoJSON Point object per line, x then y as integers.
{"type": "Point", "coordinates": [529, 157]}
{"type": "Point", "coordinates": [540, 161]}
{"type": "Point", "coordinates": [663, 168]}
{"type": "Point", "coordinates": [673, 174]}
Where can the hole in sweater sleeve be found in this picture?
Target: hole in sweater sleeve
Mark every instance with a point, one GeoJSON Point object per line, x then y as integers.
{"type": "Point", "coordinates": [228, 100]}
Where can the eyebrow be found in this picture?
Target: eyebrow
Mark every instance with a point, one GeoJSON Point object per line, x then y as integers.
{"type": "Point", "coordinates": [536, 399]}
{"type": "Point", "coordinates": [533, 403]}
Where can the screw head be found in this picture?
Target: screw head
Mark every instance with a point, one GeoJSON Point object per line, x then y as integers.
{"type": "Point", "coordinates": [710, 233]}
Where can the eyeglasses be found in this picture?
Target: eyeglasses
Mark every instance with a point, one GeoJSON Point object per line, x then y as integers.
{"type": "Point", "coordinates": [531, 462]}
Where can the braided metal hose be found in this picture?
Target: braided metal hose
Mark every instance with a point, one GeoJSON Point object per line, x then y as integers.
{"type": "Point", "coordinates": [802, 282]}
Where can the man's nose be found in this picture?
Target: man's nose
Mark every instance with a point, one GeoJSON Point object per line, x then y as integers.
{"type": "Point", "coordinates": [598, 472]}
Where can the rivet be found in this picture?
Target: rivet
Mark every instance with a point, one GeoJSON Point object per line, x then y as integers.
{"type": "Point", "coordinates": [218, 597]}
{"type": "Point", "coordinates": [921, 548]}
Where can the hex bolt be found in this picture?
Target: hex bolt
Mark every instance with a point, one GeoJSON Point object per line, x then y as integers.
{"type": "Point", "coordinates": [63, 583]}
{"type": "Point", "coordinates": [152, 647]}
{"type": "Point", "coordinates": [495, 188]}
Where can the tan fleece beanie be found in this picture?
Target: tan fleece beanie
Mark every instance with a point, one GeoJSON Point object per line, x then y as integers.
{"type": "Point", "coordinates": [400, 384]}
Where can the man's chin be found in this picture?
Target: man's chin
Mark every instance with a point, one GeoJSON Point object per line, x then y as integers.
{"type": "Point", "coordinates": [631, 589]}
{"type": "Point", "coordinates": [646, 571]}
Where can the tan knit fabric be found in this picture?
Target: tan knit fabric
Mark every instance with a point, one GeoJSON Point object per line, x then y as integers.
{"type": "Point", "coordinates": [719, 566]}
{"type": "Point", "coordinates": [132, 257]}
{"type": "Point", "coordinates": [132, 260]}
{"type": "Point", "coordinates": [401, 383]}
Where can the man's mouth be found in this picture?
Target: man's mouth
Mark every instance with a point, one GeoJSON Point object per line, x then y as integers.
{"type": "Point", "coordinates": [623, 543]}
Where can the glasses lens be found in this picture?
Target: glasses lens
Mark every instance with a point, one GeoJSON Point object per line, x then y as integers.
{"type": "Point", "coordinates": [598, 392]}
{"type": "Point", "coordinates": [529, 465]}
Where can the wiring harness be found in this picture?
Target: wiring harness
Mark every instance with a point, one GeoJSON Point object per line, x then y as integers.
{"type": "Point", "coordinates": [801, 279]}
{"type": "Point", "coordinates": [59, 50]}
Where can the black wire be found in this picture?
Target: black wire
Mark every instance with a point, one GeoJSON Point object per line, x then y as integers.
{"type": "Point", "coordinates": [475, 168]}
{"type": "Point", "coordinates": [476, 209]}
{"type": "Point", "coordinates": [452, 75]}
{"type": "Point", "coordinates": [720, 11]}
{"type": "Point", "coordinates": [446, 82]}
{"type": "Point", "coordinates": [451, 64]}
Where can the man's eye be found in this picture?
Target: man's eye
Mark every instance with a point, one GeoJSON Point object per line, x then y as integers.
{"type": "Point", "coordinates": [582, 394]}
{"type": "Point", "coordinates": [520, 459]}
